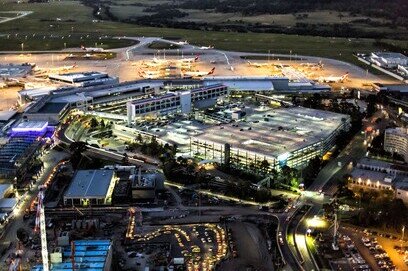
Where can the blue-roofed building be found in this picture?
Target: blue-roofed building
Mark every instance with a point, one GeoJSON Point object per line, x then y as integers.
{"type": "Point", "coordinates": [91, 187]}
{"type": "Point", "coordinates": [89, 255]}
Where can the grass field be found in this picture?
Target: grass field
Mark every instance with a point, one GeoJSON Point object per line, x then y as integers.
{"type": "Point", "coordinates": [78, 22]}
{"type": "Point", "coordinates": [157, 45]}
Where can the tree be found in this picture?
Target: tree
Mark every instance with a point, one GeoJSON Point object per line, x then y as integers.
{"type": "Point", "coordinates": [93, 123]}
{"type": "Point", "coordinates": [264, 165]}
{"type": "Point", "coordinates": [125, 159]}
{"type": "Point", "coordinates": [77, 148]}
{"type": "Point", "coordinates": [371, 104]}
{"type": "Point", "coordinates": [139, 138]}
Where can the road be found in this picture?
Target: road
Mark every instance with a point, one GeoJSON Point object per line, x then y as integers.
{"type": "Point", "coordinates": [326, 181]}
{"type": "Point", "coordinates": [50, 160]}
{"type": "Point", "coordinates": [19, 14]}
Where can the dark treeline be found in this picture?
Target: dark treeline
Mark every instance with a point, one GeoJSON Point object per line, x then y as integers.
{"type": "Point", "coordinates": [395, 10]}
{"type": "Point", "coordinates": [164, 15]}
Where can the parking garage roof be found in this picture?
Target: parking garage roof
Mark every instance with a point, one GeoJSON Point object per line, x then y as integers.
{"type": "Point", "coordinates": [276, 132]}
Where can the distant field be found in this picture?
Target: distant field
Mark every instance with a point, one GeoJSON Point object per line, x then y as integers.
{"type": "Point", "coordinates": [76, 20]}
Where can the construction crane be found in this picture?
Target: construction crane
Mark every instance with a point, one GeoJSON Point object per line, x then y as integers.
{"type": "Point", "coordinates": [40, 226]}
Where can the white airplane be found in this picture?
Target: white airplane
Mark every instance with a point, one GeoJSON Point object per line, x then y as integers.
{"type": "Point", "coordinates": [150, 74]}
{"type": "Point", "coordinates": [159, 61]}
{"type": "Point", "coordinates": [189, 60]}
{"type": "Point", "coordinates": [334, 79]}
{"type": "Point", "coordinates": [198, 73]}
{"type": "Point", "coordinates": [92, 49]}
{"type": "Point", "coordinates": [182, 42]}
{"type": "Point", "coordinates": [259, 64]}
{"type": "Point", "coordinates": [313, 65]}
{"type": "Point", "coordinates": [206, 47]}
{"type": "Point", "coordinates": [56, 69]}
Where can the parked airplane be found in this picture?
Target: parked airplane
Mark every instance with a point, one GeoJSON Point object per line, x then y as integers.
{"type": "Point", "coordinates": [259, 64]}
{"type": "Point", "coordinates": [150, 74]}
{"type": "Point", "coordinates": [198, 73]}
{"type": "Point", "coordinates": [56, 69]}
{"type": "Point", "coordinates": [189, 60]}
{"type": "Point", "coordinates": [92, 49]}
{"type": "Point", "coordinates": [334, 79]}
{"type": "Point", "coordinates": [313, 65]}
{"type": "Point", "coordinates": [182, 42]}
{"type": "Point", "coordinates": [206, 47]}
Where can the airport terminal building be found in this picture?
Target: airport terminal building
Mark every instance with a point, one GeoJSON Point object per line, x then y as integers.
{"type": "Point", "coordinates": [179, 101]}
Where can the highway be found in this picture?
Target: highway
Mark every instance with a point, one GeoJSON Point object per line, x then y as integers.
{"type": "Point", "coordinates": [326, 181]}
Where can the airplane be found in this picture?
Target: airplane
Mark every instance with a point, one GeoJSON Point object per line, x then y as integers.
{"type": "Point", "coordinates": [334, 79]}
{"type": "Point", "coordinates": [313, 65]}
{"type": "Point", "coordinates": [92, 49]}
{"type": "Point", "coordinates": [198, 73]}
{"type": "Point", "coordinates": [182, 42]}
{"type": "Point", "coordinates": [259, 64]}
{"type": "Point", "coordinates": [150, 74]}
{"type": "Point", "coordinates": [206, 47]}
{"type": "Point", "coordinates": [87, 55]}
{"type": "Point", "coordinates": [159, 61]}
{"type": "Point", "coordinates": [56, 69]}
{"type": "Point", "coordinates": [189, 60]}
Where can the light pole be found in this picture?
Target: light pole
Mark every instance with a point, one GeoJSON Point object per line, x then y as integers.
{"type": "Point", "coordinates": [402, 237]}
{"type": "Point", "coordinates": [22, 46]}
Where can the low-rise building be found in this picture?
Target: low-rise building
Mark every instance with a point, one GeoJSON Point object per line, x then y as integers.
{"type": "Point", "coordinates": [368, 179]}
{"type": "Point", "coordinates": [91, 187]}
{"type": "Point", "coordinates": [401, 190]}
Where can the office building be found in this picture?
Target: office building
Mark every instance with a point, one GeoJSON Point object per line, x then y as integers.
{"type": "Point", "coordinates": [396, 141]}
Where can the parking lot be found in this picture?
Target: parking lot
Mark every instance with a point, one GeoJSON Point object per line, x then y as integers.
{"type": "Point", "coordinates": [200, 246]}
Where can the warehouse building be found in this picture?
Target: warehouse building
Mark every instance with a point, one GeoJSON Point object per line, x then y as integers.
{"type": "Point", "coordinates": [91, 187]}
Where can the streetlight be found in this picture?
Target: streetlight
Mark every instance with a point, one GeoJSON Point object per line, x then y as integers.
{"type": "Point", "coordinates": [402, 237]}
{"type": "Point", "coordinates": [22, 46]}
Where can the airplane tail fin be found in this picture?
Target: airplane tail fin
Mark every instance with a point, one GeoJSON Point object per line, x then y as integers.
{"type": "Point", "coordinates": [345, 76]}
{"type": "Point", "coordinates": [212, 71]}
